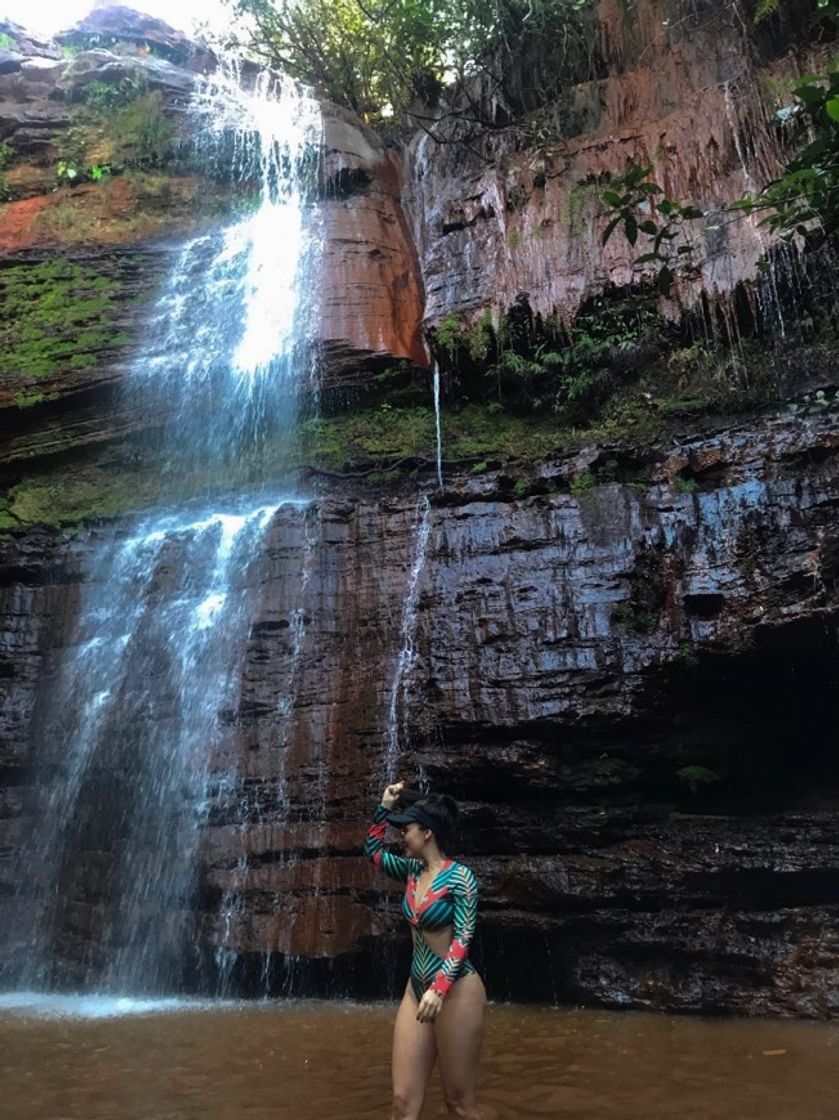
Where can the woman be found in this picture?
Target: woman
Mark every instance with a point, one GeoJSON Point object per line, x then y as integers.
{"type": "Point", "coordinates": [442, 1009]}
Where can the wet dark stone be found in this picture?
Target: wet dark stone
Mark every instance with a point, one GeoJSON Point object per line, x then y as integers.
{"type": "Point", "coordinates": [652, 812]}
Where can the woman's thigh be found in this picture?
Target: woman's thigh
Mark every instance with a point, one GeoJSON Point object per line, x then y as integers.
{"type": "Point", "coordinates": [414, 1054]}
{"type": "Point", "coordinates": [460, 1030]}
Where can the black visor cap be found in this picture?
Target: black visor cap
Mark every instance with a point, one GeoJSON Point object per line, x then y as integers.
{"type": "Point", "coordinates": [414, 813]}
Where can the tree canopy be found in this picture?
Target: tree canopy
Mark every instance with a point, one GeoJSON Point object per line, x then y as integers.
{"type": "Point", "coordinates": [376, 56]}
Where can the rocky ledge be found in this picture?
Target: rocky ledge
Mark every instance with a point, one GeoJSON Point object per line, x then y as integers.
{"type": "Point", "coordinates": [625, 674]}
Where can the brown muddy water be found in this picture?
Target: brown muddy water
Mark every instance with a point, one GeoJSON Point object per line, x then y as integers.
{"type": "Point", "coordinates": [105, 1059]}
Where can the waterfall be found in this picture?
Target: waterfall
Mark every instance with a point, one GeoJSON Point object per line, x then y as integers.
{"type": "Point", "coordinates": [132, 720]}
{"type": "Point", "coordinates": [233, 789]}
{"type": "Point", "coordinates": [231, 334]}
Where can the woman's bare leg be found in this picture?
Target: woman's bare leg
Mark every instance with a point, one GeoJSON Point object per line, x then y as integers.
{"type": "Point", "coordinates": [414, 1053]}
{"type": "Point", "coordinates": [460, 1030]}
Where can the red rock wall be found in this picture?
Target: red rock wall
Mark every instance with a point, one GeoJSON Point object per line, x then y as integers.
{"type": "Point", "coordinates": [687, 90]}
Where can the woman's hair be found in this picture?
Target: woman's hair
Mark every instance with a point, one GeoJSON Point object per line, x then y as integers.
{"type": "Point", "coordinates": [440, 807]}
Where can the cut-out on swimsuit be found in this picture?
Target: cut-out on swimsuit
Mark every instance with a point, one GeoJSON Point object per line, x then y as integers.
{"type": "Point", "coordinates": [451, 899]}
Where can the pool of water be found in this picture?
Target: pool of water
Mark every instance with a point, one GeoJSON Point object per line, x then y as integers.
{"type": "Point", "coordinates": [103, 1058]}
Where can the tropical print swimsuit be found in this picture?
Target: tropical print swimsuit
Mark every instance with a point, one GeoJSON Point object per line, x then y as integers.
{"type": "Point", "coordinates": [452, 899]}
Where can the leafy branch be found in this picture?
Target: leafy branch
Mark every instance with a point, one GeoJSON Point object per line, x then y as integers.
{"type": "Point", "coordinates": [635, 204]}
{"type": "Point", "coordinates": [801, 203]}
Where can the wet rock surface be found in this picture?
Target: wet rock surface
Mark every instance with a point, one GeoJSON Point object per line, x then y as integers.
{"type": "Point", "coordinates": [630, 690]}
{"type": "Point", "coordinates": [684, 89]}
{"type": "Point", "coordinates": [369, 310]}
{"type": "Point", "coordinates": [624, 659]}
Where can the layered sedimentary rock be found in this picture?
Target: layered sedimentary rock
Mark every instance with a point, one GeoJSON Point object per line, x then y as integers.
{"type": "Point", "coordinates": [621, 659]}
{"type": "Point", "coordinates": [116, 234]}
{"type": "Point", "coordinates": [615, 682]}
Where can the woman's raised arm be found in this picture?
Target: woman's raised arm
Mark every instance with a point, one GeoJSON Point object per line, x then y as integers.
{"type": "Point", "coordinates": [397, 867]}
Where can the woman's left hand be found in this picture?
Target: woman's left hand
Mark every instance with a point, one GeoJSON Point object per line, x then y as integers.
{"type": "Point", "coordinates": [429, 1006]}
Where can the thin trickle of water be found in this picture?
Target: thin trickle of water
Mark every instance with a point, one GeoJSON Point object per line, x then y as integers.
{"type": "Point", "coordinates": [231, 908]}
{"type": "Point", "coordinates": [437, 419]}
{"type": "Point", "coordinates": [407, 653]}
{"type": "Point", "coordinates": [297, 621]}
{"type": "Point", "coordinates": [236, 795]}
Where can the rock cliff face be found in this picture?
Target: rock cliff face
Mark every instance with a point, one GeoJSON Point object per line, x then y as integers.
{"type": "Point", "coordinates": [612, 684]}
{"type": "Point", "coordinates": [622, 656]}
{"type": "Point", "coordinates": [683, 88]}
{"type": "Point", "coordinates": [631, 690]}
{"type": "Point", "coordinates": [115, 236]}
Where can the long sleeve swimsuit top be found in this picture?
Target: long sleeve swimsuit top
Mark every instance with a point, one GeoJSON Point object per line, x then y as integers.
{"type": "Point", "coordinates": [452, 899]}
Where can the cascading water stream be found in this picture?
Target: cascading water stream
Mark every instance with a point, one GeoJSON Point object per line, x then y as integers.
{"type": "Point", "coordinates": [231, 333]}
{"type": "Point", "coordinates": [233, 909]}
{"type": "Point", "coordinates": [407, 650]}
{"type": "Point", "coordinates": [438, 425]}
{"type": "Point", "coordinates": [140, 704]}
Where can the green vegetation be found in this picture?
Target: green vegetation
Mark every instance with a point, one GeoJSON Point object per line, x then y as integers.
{"type": "Point", "coordinates": [28, 400]}
{"type": "Point", "coordinates": [7, 156]}
{"type": "Point", "coordinates": [376, 58]}
{"type": "Point", "coordinates": [686, 654]}
{"type": "Point", "coordinates": [674, 393]}
{"type": "Point", "coordinates": [825, 10]}
{"type": "Point", "coordinates": [88, 494]}
{"type": "Point", "coordinates": [471, 431]}
{"type": "Point", "coordinates": [113, 95]}
{"type": "Point", "coordinates": [802, 203]}
{"type": "Point", "coordinates": [530, 366]}
{"type": "Point", "coordinates": [478, 340]}
{"type": "Point", "coordinates": [373, 443]}
{"type": "Point", "coordinates": [634, 195]}
{"type": "Point", "coordinates": [380, 445]}
{"type": "Point", "coordinates": [635, 619]}
{"type": "Point", "coordinates": [57, 316]}
{"type": "Point", "coordinates": [583, 483]}
{"type": "Point", "coordinates": [132, 133]}
{"type": "Point", "coordinates": [695, 776]}
{"type": "Point", "coordinates": [485, 432]}
{"type": "Point", "coordinates": [812, 402]}
{"type": "Point", "coordinates": [685, 485]}
{"type": "Point", "coordinates": [7, 43]}
{"type": "Point", "coordinates": [605, 770]}
{"type": "Point", "coordinates": [68, 172]}
{"type": "Point", "coordinates": [142, 132]}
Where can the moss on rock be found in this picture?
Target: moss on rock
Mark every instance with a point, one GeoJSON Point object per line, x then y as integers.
{"type": "Point", "coordinates": [90, 494]}
{"type": "Point", "coordinates": [58, 315]}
